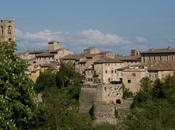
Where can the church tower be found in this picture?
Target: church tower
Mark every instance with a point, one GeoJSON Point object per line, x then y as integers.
{"type": "Point", "coordinates": [7, 31]}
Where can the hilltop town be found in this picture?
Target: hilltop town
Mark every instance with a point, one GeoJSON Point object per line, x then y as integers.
{"type": "Point", "coordinates": [105, 74]}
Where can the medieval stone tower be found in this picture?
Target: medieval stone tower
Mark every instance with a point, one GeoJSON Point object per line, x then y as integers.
{"type": "Point", "coordinates": [7, 31]}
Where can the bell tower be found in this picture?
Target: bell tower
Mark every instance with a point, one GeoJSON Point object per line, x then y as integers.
{"type": "Point", "coordinates": [7, 31]}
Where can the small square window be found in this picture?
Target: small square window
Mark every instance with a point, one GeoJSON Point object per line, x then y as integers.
{"type": "Point", "coordinates": [134, 74]}
{"type": "Point", "coordinates": [129, 81]}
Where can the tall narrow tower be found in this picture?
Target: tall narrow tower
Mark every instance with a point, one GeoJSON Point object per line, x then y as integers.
{"type": "Point", "coordinates": [7, 31]}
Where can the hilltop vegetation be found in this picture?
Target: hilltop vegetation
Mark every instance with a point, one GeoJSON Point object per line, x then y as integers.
{"type": "Point", "coordinates": [18, 109]}
{"type": "Point", "coordinates": [154, 106]}
{"type": "Point", "coordinates": [61, 100]}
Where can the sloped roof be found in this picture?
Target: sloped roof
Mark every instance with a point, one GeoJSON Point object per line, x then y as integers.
{"type": "Point", "coordinates": [37, 52]}
{"type": "Point", "coordinates": [108, 60]}
{"type": "Point", "coordinates": [46, 54]}
{"type": "Point", "coordinates": [131, 58]}
{"type": "Point", "coordinates": [73, 57]}
{"type": "Point", "coordinates": [160, 50]}
{"type": "Point", "coordinates": [164, 66]}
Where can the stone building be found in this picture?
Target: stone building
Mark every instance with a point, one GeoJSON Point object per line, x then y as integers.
{"type": "Point", "coordinates": [84, 62]}
{"type": "Point", "coordinates": [54, 53]}
{"type": "Point", "coordinates": [54, 45]}
{"type": "Point", "coordinates": [131, 76]}
{"type": "Point", "coordinates": [7, 31]}
{"type": "Point", "coordinates": [39, 59]}
{"type": "Point", "coordinates": [135, 52]}
{"type": "Point", "coordinates": [109, 93]}
{"type": "Point", "coordinates": [153, 55]}
{"type": "Point", "coordinates": [105, 70]}
{"type": "Point", "coordinates": [91, 50]}
{"type": "Point", "coordinates": [131, 60]}
{"type": "Point", "coordinates": [161, 71]}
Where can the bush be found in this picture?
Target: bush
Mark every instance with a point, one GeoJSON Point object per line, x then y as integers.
{"type": "Point", "coordinates": [126, 93]}
{"type": "Point", "coordinates": [18, 109]}
{"type": "Point", "coordinates": [154, 106]}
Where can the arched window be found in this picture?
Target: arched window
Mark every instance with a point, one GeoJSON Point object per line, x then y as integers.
{"type": "Point", "coordinates": [118, 101]}
{"type": "Point", "coordinates": [2, 30]}
{"type": "Point", "coordinates": [10, 39]}
{"type": "Point", "coordinates": [9, 31]}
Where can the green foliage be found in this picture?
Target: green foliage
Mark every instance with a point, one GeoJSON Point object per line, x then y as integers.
{"type": "Point", "coordinates": [154, 106]}
{"type": "Point", "coordinates": [18, 109]}
{"type": "Point", "coordinates": [45, 80]}
{"type": "Point", "coordinates": [68, 76]}
{"type": "Point", "coordinates": [126, 92]}
{"type": "Point", "coordinates": [104, 126]}
{"type": "Point", "coordinates": [62, 111]}
{"type": "Point", "coordinates": [62, 102]}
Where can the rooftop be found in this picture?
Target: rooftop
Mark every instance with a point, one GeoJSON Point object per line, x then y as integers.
{"type": "Point", "coordinates": [108, 60]}
{"type": "Point", "coordinates": [166, 66]}
{"type": "Point", "coordinates": [46, 54]}
{"type": "Point", "coordinates": [160, 50]}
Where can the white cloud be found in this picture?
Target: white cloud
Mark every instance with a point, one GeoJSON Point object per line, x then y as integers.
{"type": "Point", "coordinates": [75, 40]}
{"type": "Point", "coordinates": [141, 39]}
{"type": "Point", "coordinates": [87, 37]}
{"type": "Point", "coordinates": [96, 36]}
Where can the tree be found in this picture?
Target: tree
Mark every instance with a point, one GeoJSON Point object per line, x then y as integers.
{"type": "Point", "coordinates": [46, 79]}
{"type": "Point", "coordinates": [126, 92]}
{"type": "Point", "coordinates": [18, 109]}
{"type": "Point", "coordinates": [154, 106]}
{"type": "Point", "coordinates": [67, 76]}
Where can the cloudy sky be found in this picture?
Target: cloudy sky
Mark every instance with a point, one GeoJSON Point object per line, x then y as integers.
{"type": "Point", "coordinates": [117, 25]}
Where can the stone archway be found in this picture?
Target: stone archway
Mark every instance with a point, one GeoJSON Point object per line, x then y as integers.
{"type": "Point", "coordinates": [118, 101]}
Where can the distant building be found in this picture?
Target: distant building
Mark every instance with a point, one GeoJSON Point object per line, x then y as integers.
{"type": "Point", "coordinates": [161, 71]}
{"type": "Point", "coordinates": [54, 45]}
{"type": "Point", "coordinates": [92, 50]}
{"type": "Point", "coordinates": [7, 31]}
{"type": "Point", "coordinates": [135, 52]}
{"type": "Point", "coordinates": [105, 70]}
{"type": "Point", "coordinates": [153, 55]}
{"type": "Point", "coordinates": [131, 76]}
{"type": "Point", "coordinates": [44, 59]}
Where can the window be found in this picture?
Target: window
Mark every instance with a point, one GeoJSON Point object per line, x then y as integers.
{"type": "Point", "coordinates": [134, 74]}
{"type": "Point", "coordinates": [121, 80]}
{"type": "Point", "coordinates": [106, 71]}
{"type": "Point", "coordinates": [9, 31]}
{"type": "Point", "coordinates": [112, 71]}
{"type": "Point", "coordinates": [2, 30]}
{"type": "Point", "coordinates": [118, 101]}
{"type": "Point", "coordinates": [10, 39]}
{"type": "Point", "coordinates": [129, 81]}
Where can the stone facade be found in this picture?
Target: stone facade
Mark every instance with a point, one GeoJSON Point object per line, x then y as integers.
{"type": "Point", "coordinates": [105, 70]}
{"type": "Point", "coordinates": [132, 75]}
{"type": "Point", "coordinates": [50, 58]}
{"type": "Point", "coordinates": [54, 45]}
{"type": "Point", "coordinates": [109, 93]}
{"type": "Point", "coordinates": [92, 50]}
{"type": "Point", "coordinates": [7, 31]}
{"type": "Point", "coordinates": [158, 55]}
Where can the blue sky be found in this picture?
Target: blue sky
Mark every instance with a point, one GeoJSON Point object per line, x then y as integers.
{"type": "Point", "coordinates": [117, 25]}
